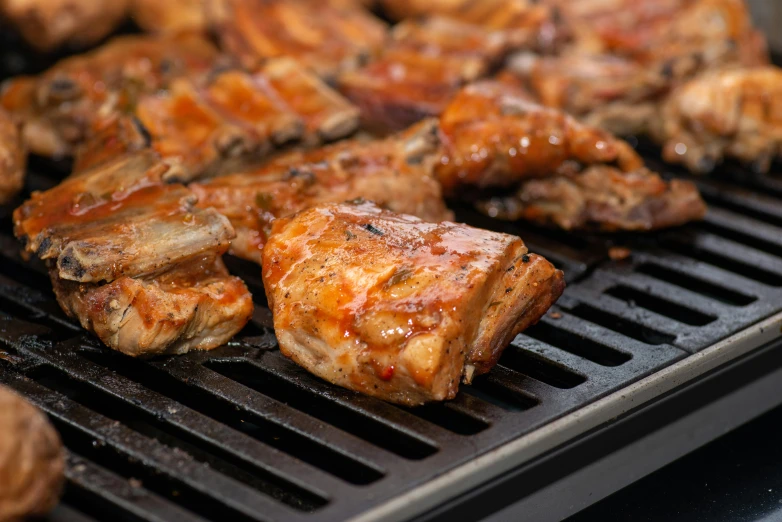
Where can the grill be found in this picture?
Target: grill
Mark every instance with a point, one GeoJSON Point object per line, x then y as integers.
{"type": "Point", "coordinates": [241, 433]}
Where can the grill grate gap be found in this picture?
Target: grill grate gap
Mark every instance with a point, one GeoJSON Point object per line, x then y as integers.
{"type": "Point", "coordinates": [267, 432]}
{"type": "Point", "coordinates": [512, 400]}
{"type": "Point", "coordinates": [145, 424]}
{"type": "Point", "coordinates": [95, 506]}
{"type": "Point", "coordinates": [543, 370]}
{"type": "Point", "coordinates": [322, 408]}
{"type": "Point", "coordinates": [745, 210]}
{"type": "Point", "coordinates": [626, 327]}
{"type": "Point", "coordinates": [694, 284]}
{"type": "Point", "coordinates": [731, 265]}
{"type": "Point", "coordinates": [452, 420]}
{"type": "Point", "coordinates": [577, 345]}
{"type": "Point", "coordinates": [741, 237]}
{"type": "Point", "coordinates": [675, 311]}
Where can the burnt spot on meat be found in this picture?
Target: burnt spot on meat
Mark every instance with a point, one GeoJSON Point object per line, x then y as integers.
{"type": "Point", "coordinates": [142, 130]}
{"type": "Point", "coordinates": [372, 229]}
{"type": "Point", "coordinates": [71, 266]}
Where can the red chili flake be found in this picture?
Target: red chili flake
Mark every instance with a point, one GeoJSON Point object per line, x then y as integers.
{"type": "Point", "coordinates": [387, 373]}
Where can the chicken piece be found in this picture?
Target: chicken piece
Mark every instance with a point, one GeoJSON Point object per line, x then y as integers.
{"type": "Point", "coordinates": [526, 24]}
{"type": "Point", "coordinates": [516, 159]}
{"type": "Point", "coordinates": [196, 305]}
{"type": "Point", "coordinates": [600, 198]}
{"type": "Point", "coordinates": [395, 307]}
{"type": "Point", "coordinates": [12, 159]}
{"type": "Point", "coordinates": [32, 460]}
{"type": "Point", "coordinates": [206, 128]}
{"type": "Point", "coordinates": [423, 66]}
{"type": "Point", "coordinates": [495, 136]}
{"type": "Point", "coordinates": [169, 16]}
{"type": "Point", "coordinates": [735, 113]}
{"type": "Point", "coordinates": [395, 173]}
{"type": "Point", "coordinates": [328, 38]}
{"type": "Point", "coordinates": [58, 107]}
{"type": "Point", "coordinates": [613, 93]}
{"type": "Point", "coordinates": [134, 259]}
{"type": "Point", "coordinates": [49, 24]}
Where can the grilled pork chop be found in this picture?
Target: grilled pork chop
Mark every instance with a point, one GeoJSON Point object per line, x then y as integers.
{"type": "Point", "coordinates": [539, 164]}
{"type": "Point", "coordinates": [48, 24]}
{"type": "Point", "coordinates": [395, 307]}
{"type": "Point", "coordinates": [134, 259]}
{"type": "Point", "coordinates": [733, 113]}
{"type": "Point", "coordinates": [326, 37]}
{"type": "Point", "coordinates": [12, 159]}
{"type": "Point", "coordinates": [220, 123]}
{"type": "Point", "coordinates": [421, 68]}
{"type": "Point", "coordinates": [58, 107]}
{"type": "Point", "coordinates": [395, 173]}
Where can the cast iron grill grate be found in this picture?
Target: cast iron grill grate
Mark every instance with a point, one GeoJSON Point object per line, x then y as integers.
{"type": "Point", "coordinates": [240, 433]}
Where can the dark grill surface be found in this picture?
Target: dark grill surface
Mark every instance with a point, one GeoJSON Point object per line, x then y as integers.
{"type": "Point", "coordinates": [240, 433]}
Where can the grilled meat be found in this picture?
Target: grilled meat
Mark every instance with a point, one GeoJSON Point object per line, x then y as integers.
{"type": "Point", "coordinates": [422, 67]}
{"type": "Point", "coordinates": [326, 37]}
{"type": "Point", "coordinates": [32, 460]}
{"type": "Point", "coordinates": [395, 173]}
{"type": "Point", "coordinates": [48, 24]}
{"type": "Point", "coordinates": [134, 259]}
{"type": "Point", "coordinates": [169, 16]}
{"type": "Point", "coordinates": [395, 307]}
{"type": "Point", "coordinates": [539, 164]}
{"type": "Point", "coordinates": [58, 107]}
{"type": "Point", "coordinates": [204, 128]}
{"type": "Point", "coordinates": [12, 159]}
{"type": "Point", "coordinates": [734, 113]}
{"type": "Point", "coordinates": [524, 23]}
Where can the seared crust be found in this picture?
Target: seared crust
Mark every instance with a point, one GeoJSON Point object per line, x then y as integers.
{"type": "Point", "coordinates": [32, 460]}
{"type": "Point", "coordinates": [169, 16]}
{"type": "Point", "coordinates": [395, 307]}
{"type": "Point", "coordinates": [12, 159]}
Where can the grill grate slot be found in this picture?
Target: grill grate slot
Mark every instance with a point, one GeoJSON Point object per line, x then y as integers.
{"type": "Point", "coordinates": [540, 368]}
{"type": "Point", "coordinates": [450, 419]}
{"type": "Point", "coordinates": [624, 326]}
{"type": "Point", "coordinates": [577, 345]}
{"type": "Point", "coordinates": [770, 247]}
{"type": "Point", "coordinates": [694, 284]}
{"type": "Point", "coordinates": [362, 426]}
{"type": "Point", "coordinates": [660, 306]}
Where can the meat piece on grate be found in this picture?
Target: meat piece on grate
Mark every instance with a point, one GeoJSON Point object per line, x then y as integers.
{"type": "Point", "coordinates": [12, 159]}
{"type": "Point", "coordinates": [134, 259]}
{"type": "Point", "coordinates": [395, 307]}
{"type": "Point", "coordinates": [32, 460]}
{"type": "Point", "coordinates": [326, 37]}
{"type": "Point", "coordinates": [222, 122]}
{"type": "Point", "coordinates": [396, 173]}
{"type": "Point", "coordinates": [734, 113]}
{"type": "Point", "coordinates": [49, 24]}
{"type": "Point", "coordinates": [423, 65]}
{"type": "Point", "coordinates": [169, 16]}
{"type": "Point", "coordinates": [517, 159]}
{"type": "Point", "coordinates": [58, 106]}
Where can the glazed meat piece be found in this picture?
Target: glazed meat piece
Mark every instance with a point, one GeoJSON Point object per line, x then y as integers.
{"type": "Point", "coordinates": [516, 159]}
{"type": "Point", "coordinates": [134, 259]}
{"type": "Point", "coordinates": [48, 24]}
{"type": "Point", "coordinates": [205, 128]}
{"type": "Point", "coordinates": [58, 107]}
{"type": "Point", "coordinates": [395, 173]}
{"type": "Point", "coordinates": [616, 94]}
{"type": "Point", "coordinates": [395, 307]}
{"type": "Point", "coordinates": [327, 38]}
{"type": "Point", "coordinates": [494, 135]}
{"type": "Point", "coordinates": [526, 24]}
{"type": "Point", "coordinates": [735, 113]}
{"type": "Point", "coordinates": [422, 67]}
{"type": "Point", "coordinates": [12, 159]}
{"type": "Point", "coordinates": [169, 16]}
{"type": "Point", "coordinates": [32, 460]}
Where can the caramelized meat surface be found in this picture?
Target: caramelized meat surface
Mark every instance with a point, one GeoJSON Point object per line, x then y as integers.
{"type": "Point", "coordinates": [169, 16]}
{"type": "Point", "coordinates": [12, 159]}
{"type": "Point", "coordinates": [326, 37]}
{"type": "Point", "coordinates": [48, 24]}
{"type": "Point", "coordinates": [204, 128]}
{"type": "Point", "coordinates": [32, 460]}
{"type": "Point", "coordinates": [422, 67]}
{"type": "Point", "coordinates": [58, 107]}
{"type": "Point", "coordinates": [734, 113]}
{"type": "Point", "coordinates": [396, 173]}
{"type": "Point", "coordinates": [134, 259]}
{"type": "Point", "coordinates": [518, 159]}
{"type": "Point", "coordinates": [395, 307]}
